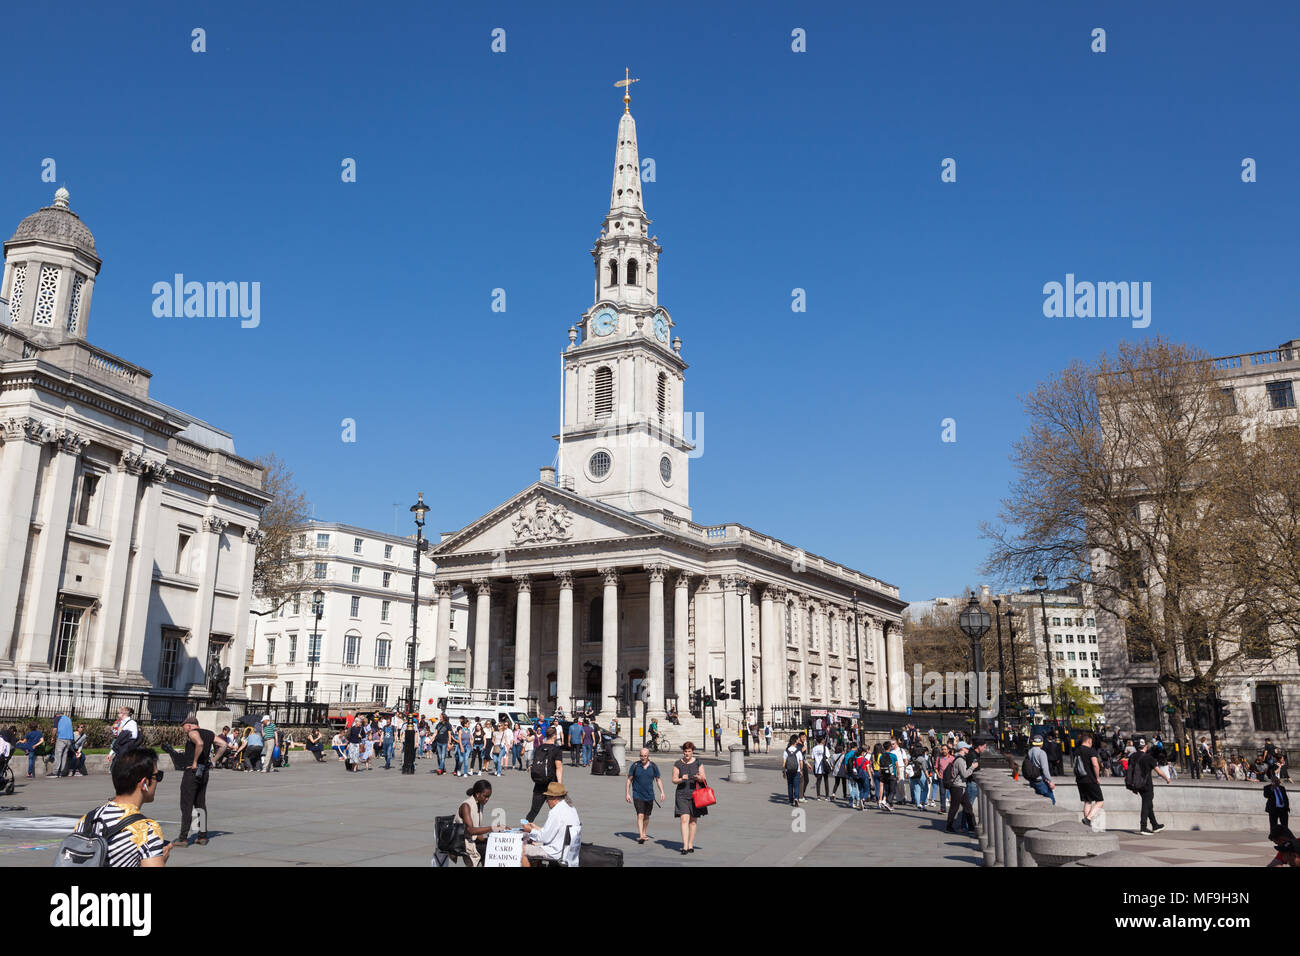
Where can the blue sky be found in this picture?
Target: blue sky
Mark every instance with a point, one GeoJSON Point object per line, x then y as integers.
{"type": "Point", "coordinates": [775, 170]}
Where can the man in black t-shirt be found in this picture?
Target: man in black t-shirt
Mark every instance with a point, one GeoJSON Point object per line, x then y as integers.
{"type": "Point", "coordinates": [194, 783]}
{"type": "Point", "coordinates": [1148, 768]}
{"type": "Point", "coordinates": [1087, 760]}
{"type": "Point", "coordinates": [553, 755]}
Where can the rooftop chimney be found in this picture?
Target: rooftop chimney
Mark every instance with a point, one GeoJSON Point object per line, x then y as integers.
{"type": "Point", "coordinates": [548, 476]}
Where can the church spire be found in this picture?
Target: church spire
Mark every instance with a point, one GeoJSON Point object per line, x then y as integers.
{"type": "Point", "coordinates": [625, 194]}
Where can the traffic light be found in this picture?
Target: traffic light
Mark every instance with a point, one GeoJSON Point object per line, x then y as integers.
{"type": "Point", "coordinates": [1221, 721]}
{"type": "Point", "coordinates": [719, 689]}
{"type": "Point", "coordinates": [735, 688]}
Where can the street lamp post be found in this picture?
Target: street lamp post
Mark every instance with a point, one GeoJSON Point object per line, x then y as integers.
{"type": "Point", "coordinates": [1002, 676]}
{"type": "Point", "coordinates": [975, 622]}
{"type": "Point", "coordinates": [1015, 670]}
{"type": "Point", "coordinates": [317, 609]}
{"type": "Point", "coordinates": [419, 509]}
{"type": "Point", "coordinates": [1040, 583]}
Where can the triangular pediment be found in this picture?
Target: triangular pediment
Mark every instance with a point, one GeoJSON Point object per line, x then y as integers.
{"type": "Point", "coordinates": [543, 516]}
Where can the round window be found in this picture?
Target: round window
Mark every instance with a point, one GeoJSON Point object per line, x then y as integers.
{"type": "Point", "coordinates": [665, 469]}
{"type": "Point", "coordinates": [599, 464]}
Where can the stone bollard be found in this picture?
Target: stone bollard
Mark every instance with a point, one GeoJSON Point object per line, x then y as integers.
{"type": "Point", "coordinates": [1033, 816]}
{"type": "Point", "coordinates": [983, 816]}
{"type": "Point", "coordinates": [988, 826]}
{"type": "Point", "coordinates": [738, 775]}
{"type": "Point", "coordinates": [1002, 800]}
{"type": "Point", "coordinates": [1066, 841]}
{"type": "Point", "coordinates": [618, 750]}
{"type": "Point", "coordinates": [1116, 858]}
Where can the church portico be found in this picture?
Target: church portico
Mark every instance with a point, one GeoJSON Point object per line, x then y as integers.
{"type": "Point", "coordinates": [595, 581]}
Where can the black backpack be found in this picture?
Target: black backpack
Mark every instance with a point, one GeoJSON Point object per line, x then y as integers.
{"type": "Point", "coordinates": [88, 844]}
{"type": "Point", "coordinates": [1136, 777]}
{"type": "Point", "coordinates": [950, 773]}
{"type": "Point", "coordinates": [542, 769]}
{"type": "Point", "coordinates": [1029, 770]}
{"type": "Point", "coordinates": [791, 761]}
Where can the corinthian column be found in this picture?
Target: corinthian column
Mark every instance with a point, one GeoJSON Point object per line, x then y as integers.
{"type": "Point", "coordinates": [771, 649]}
{"type": "Point", "coordinates": [681, 639]}
{"type": "Point", "coordinates": [897, 679]}
{"type": "Point", "coordinates": [523, 622]}
{"type": "Point", "coordinates": [609, 645]}
{"type": "Point", "coordinates": [482, 632]}
{"type": "Point", "coordinates": [442, 647]}
{"type": "Point", "coordinates": [657, 572]}
{"type": "Point", "coordinates": [564, 642]}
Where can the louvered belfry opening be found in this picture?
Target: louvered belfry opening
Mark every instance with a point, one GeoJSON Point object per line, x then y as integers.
{"type": "Point", "coordinates": [604, 392]}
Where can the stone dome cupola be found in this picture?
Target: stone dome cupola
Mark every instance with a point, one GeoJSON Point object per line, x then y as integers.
{"type": "Point", "coordinates": [49, 273]}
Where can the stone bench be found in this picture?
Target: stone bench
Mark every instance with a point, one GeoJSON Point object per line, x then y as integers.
{"type": "Point", "coordinates": [1065, 842]}
{"type": "Point", "coordinates": [1023, 819]}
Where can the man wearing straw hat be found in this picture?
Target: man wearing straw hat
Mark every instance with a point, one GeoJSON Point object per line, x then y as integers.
{"type": "Point", "coordinates": [561, 836]}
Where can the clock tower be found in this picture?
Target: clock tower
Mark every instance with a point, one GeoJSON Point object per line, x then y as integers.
{"type": "Point", "coordinates": [623, 440]}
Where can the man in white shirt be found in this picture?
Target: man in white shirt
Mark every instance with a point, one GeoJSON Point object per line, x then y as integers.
{"type": "Point", "coordinates": [547, 842]}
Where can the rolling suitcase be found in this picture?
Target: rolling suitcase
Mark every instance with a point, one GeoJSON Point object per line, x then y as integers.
{"type": "Point", "coordinates": [591, 855]}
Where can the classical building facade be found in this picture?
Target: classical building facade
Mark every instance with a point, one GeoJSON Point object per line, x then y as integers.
{"type": "Point", "coordinates": [596, 580]}
{"type": "Point", "coordinates": [127, 528]}
{"type": "Point", "coordinates": [1263, 696]}
{"type": "Point", "coordinates": [362, 641]}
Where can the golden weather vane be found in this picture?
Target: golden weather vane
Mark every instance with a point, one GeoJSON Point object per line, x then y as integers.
{"type": "Point", "coordinates": [626, 83]}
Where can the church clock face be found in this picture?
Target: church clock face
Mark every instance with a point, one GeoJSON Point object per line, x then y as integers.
{"type": "Point", "coordinates": [661, 328]}
{"type": "Point", "coordinates": [604, 322]}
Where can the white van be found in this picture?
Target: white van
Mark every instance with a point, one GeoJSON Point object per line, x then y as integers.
{"type": "Point", "coordinates": [438, 697]}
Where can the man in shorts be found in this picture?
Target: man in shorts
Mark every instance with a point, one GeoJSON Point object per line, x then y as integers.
{"type": "Point", "coordinates": [1085, 759]}
{"type": "Point", "coordinates": [642, 778]}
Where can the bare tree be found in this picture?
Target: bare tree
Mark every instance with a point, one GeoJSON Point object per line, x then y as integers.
{"type": "Point", "coordinates": [277, 575]}
{"type": "Point", "coordinates": [1129, 477]}
{"type": "Point", "coordinates": [935, 642]}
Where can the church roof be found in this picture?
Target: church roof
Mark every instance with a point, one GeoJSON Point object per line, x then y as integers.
{"type": "Point", "coordinates": [58, 225]}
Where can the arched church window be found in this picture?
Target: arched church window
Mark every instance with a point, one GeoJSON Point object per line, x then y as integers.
{"type": "Point", "coordinates": [631, 272]}
{"type": "Point", "coordinates": [596, 622]}
{"type": "Point", "coordinates": [613, 272]}
{"type": "Point", "coordinates": [604, 392]}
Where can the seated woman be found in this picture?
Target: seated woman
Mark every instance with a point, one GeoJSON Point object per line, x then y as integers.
{"type": "Point", "coordinates": [471, 814]}
{"type": "Point", "coordinates": [340, 745]}
{"type": "Point", "coordinates": [315, 746]}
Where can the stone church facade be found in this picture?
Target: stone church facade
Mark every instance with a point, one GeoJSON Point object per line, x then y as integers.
{"type": "Point", "coordinates": [596, 579]}
{"type": "Point", "coordinates": [127, 528]}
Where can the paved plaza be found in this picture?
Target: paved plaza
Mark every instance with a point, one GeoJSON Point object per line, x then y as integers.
{"type": "Point", "coordinates": [317, 814]}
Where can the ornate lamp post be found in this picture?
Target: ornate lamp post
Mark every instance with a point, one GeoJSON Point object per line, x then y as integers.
{"type": "Point", "coordinates": [313, 654]}
{"type": "Point", "coordinates": [1040, 584]}
{"type": "Point", "coordinates": [975, 622]}
{"type": "Point", "coordinates": [419, 509]}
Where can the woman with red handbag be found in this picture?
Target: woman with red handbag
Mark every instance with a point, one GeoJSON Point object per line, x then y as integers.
{"type": "Point", "coordinates": [694, 795]}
